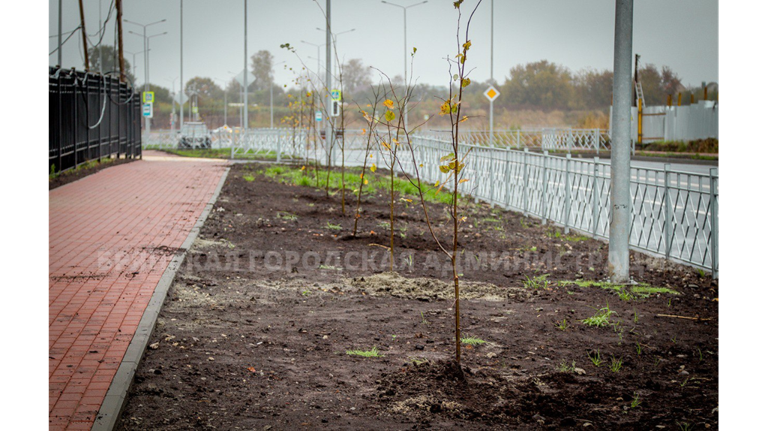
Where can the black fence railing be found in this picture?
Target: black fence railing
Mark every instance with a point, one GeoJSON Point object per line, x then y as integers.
{"type": "Point", "coordinates": [91, 117]}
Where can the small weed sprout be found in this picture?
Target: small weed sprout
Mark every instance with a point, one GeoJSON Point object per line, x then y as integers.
{"type": "Point", "coordinates": [423, 319]}
{"type": "Point", "coordinates": [625, 296]}
{"type": "Point", "coordinates": [635, 401]}
{"type": "Point", "coordinates": [287, 216]}
{"type": "Point", "coordinates": [615, 364]}
{"type": "Point", "coordinates": [562, 325]}
{"type": "Point", "coordinates": [684, 426]}
{"type": "Point", "coordinates": [334, 227]}
{"type": "Point", "coordinates": [249, 178]}
{"type": "Point", "coordinates": [601, 318]}
{"type": "Point", "coordinates": [565, 368]}
{"type": "Point", "coordinates": [638, 348]}
{"type": "Point", "coordinates": [538, 282]}
{"type": "Point", "coordinates": [702, 273]}
{"type": "Point", "coordinates": [595, 358]}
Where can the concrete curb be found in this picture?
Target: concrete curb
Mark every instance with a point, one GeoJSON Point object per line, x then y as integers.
{"type": "Point", "coordinates": [113, 403]}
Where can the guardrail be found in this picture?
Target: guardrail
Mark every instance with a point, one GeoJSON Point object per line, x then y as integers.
{"type": "Point", "coordinates": [674, 213]}
{"type": "Point", "coordinates": [91, 116]}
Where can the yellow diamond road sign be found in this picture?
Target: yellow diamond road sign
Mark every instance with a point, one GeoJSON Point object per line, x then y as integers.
{"type": "Point", "coordinates": [491, 93]}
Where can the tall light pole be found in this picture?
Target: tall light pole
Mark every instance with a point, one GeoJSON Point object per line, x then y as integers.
{"type": "Point", "coordinates": [320, 100]}
{"type": "Point", "coordinates": [271, 111]}
{"type": "Point", "coordinates": [181, 63]}
{"type": "Point", "coordinates": [245, 65]}
{"type": "Point", "coordinates": [621, 207]}
{"type": "Point", "coordinates": [334, 37]}
{"type": "Point", "coordinates": [225, 98]}
{"type": "Point", "coordinates": [329, 132]}
{"type": "Point", "coordinates": [173, 106]}
{"type": "Point", "coordinates": [405, 54]}
{"type": "Point", "coordinates": [146, 61]}
{"type": "Point", "coordinates": [134, 60]}
{"type": "Point", "coordinates": [147, 122]}
{"type": "Point", "coordinates": [491, 108]}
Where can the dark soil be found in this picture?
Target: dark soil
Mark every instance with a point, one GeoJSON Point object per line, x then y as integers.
{"type": "Point", "coordinates": [253, 337]}
{"type": "Point", "coordinates": [71, 175]}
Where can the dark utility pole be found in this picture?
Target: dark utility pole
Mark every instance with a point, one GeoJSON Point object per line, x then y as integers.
{"type": "Point", "coordinates": [119, 7]}
{"type": "Point", "coordinates": [85, 38]}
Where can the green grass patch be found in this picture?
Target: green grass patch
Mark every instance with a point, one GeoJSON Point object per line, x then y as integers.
{"type": "Point", "coordinates": [373, 353]}
{"type": "Point", "coordinates": [376, 183]}
{"type": "Point", "coordinates": [472, 341]}
{"type": "Point", "coordinates": [83, 166]}
{"type": "Point", "coordinates": [249, 178]}
{"type": "Point", "coordinates": [642, 289]}
{"type": "Point", "coordinates": [220, 153]}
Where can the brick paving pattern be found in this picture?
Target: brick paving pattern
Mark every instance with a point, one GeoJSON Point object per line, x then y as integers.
{"type": "Point", "coordinates": [112, 235]}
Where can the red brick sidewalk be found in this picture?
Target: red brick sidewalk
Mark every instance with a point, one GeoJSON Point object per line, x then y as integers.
{"type": "Point", "coordinates": [112, 235]}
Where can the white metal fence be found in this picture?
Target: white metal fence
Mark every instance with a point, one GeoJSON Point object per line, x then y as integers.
{"type": "Point", "coordinates": [674, 213]}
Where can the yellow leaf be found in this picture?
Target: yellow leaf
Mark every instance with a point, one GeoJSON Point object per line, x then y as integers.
{"type": "Point", "coordinates": [303, 167]}
{"type": "Point", "coordinates": [465, 82]}
{"type": "Point", "coordinates": [361, 176]}
{"type": "Point", "coordinates": [365, 181]}
{"type": "Point", "coordinates": [389, 104]}
{"type": "Point", "coordinates": [463, 180]}
{"type": "Point", "coordinates": [373, 166]}
{"type": "Point", "coordinates": [463, 119]}
{"type": "Point", "coordinates": [421, 165]}
{"type": "Point", "coordinates": [389, 116]}
{"type": "Point", "coordinates": [467, 44]}
{"type": "Point", "coordinates": [396, 142]}
{"type": "Point", "coordinates": [437, 183]}
{"type": "Point", "coordinates": [445, 108]}
{"type": "Point", "coordinates": [445, 169]}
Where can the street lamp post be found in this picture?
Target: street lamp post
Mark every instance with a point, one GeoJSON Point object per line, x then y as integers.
{"type": "Point", "coordinates": [405, 55]}
{"type": "Point", "coordinates": [334, 36]}
{"type": "Point", "coordinates": [320, 100]}
{"type": "Point", "coordinates": [134, 59]}
{"type": "Point", "coordinates": [271, 110]}
{"type": "Point", "coordinates": [146, 61]}
{"type": "Point", "coordinates": [173, 106]}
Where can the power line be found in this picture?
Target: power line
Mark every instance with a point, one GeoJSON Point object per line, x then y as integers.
{"type": "Point", "coordinates": [103, 28]}
{"type": "Point", "coordinates": [65, 41]}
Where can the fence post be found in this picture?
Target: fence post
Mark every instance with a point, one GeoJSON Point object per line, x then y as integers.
{"type": "Point", "coordinates": [74, 112]}
{"type": "Point", "coordinates": [518, 139]}
{"type": "Point", "coordinates": [713, 223]}
{"type": "Point", "coordinates": [567, 193]}
{"type": "Point", "coordinates": [668, 229]}
{"type": "Point", "coordinates": [491, 177]}
{"type": "Point", "coordinates": [597, 141]}
{"type": "Point", "coordinates": [545, 187]}
{"type": "Point", "coordinates": [595, 198]}
{"type": "Point", "coordinates": [279, 148]}
{"type": "Point", "coordinates": [525, 181]}
{"type": "Point", "coordinates": [507, 182]}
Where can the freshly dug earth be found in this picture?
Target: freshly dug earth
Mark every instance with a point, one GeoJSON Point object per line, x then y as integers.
{"type": "Point", "coordinates": [257, 326]}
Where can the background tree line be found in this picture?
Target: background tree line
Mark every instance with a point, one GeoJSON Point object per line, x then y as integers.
{"type": "Point", "coordinates": [537, 94]}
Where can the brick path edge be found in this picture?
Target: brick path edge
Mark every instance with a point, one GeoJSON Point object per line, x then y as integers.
{"type": "Point", "coordinates": [114, 402]}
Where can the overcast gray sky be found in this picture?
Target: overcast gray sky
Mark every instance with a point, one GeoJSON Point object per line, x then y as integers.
{"type": "Point", "coordinates": [681, 34]}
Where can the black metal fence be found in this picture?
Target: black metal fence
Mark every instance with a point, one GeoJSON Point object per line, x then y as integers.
{"type": "Point", "coordinates": [91, 116]}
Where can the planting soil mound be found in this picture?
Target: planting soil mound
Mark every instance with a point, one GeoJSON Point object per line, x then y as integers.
{"type": "Point", "coordinates": [429, 289]}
